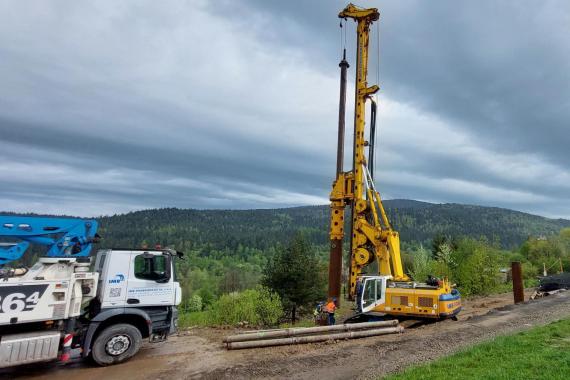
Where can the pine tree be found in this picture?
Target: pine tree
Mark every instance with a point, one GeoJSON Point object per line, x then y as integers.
{"type": "Point", "coordinates": [294, 273]}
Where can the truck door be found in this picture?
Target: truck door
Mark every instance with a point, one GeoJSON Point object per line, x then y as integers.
{"type": "Point", "coordinates": [114, 269]}
{"type": "Point", "coordinates": [151, 280]}
{"type": "Point", "coordinates": [373, 293]}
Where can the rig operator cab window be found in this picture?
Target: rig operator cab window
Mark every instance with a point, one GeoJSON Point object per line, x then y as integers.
{"type": "Point", "coordinates": [372, 293]}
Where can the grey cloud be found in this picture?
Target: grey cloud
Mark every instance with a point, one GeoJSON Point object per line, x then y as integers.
{"type": "Point", "coordinates": [498, 70]}
{"type": "Point", "coordinates": [134, 96]}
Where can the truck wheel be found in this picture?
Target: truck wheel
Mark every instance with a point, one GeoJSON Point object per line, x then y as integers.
{"type": "Point", "coordinates": [116, 344]}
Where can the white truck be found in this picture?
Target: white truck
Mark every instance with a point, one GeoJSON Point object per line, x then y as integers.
{"type": "Point", "coordinates": [62, 304]}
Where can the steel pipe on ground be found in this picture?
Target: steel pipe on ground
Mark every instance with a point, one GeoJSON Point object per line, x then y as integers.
{"type": "Point", "coordinates": [314, 338]}
{"type": "Point", "coordinates": [283, 333]}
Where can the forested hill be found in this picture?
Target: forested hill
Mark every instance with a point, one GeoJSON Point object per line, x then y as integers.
{"type": "Point", "coordinates": [261, 229]}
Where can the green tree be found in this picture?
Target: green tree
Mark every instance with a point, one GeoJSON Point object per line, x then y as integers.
{"type": "Point", "coordinates": [238, 278]}
{"type": "Point", "coordinates": [296, 275]}
{"type": "Point", "coordinates": [565, 237]}
{"type": "Point", "coordinates": [442, 244]}
{"type": "Point", "coordinates": [478, 273]}
{"type": "Point", "coordinates": [444, 263]}
{"type": "Point", "coordinates": [543, 251]}
{"type": "Point", "coordinates": [422, 265]}
{"type": "Point", "coordinates": [438, 240]}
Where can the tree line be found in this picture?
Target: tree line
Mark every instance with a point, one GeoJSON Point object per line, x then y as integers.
{"type": "Point", "coordinates": [232, 253]}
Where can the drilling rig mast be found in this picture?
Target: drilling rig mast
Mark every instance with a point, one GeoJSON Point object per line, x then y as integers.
{"type": "Point", "coordinates": [372, 237]}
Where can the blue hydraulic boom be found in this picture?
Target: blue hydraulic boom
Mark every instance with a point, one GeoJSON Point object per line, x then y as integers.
{"type": "Point", "coordinates": [64, 237]}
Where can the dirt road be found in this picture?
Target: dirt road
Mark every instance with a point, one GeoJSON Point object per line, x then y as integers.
{"type": "Point", "coordinates": [197, 353]}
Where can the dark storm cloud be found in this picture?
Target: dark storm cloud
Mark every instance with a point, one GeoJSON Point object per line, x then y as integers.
{"type": "Point", "coordinates": [191, 106]}
{"type": "Point", "coordinates": [92, 152]}
{"type": "Point", "coordinates": [497, 69]}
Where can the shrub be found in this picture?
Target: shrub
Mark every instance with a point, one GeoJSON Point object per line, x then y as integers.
{"type": "Point", "coordinates": [258, 307]}
{"type": "Point", "coordinates": [530, 271]}
{"type": "Point", "coordinates": [194, 303]}
{"type": "Point", "coordinates": [422, 265]}
{"type": "Point", "coordinates": [206, 295]}
{"type": "Point", "coordinates": [268, 307]}
{"type": "Point", "coordinates": [198, 318]}
{"type": "Point", "coordinates": [478, 274]}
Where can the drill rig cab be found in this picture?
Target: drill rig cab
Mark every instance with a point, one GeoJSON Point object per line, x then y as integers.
{"type": "Point", "coordinates": [372, 238]}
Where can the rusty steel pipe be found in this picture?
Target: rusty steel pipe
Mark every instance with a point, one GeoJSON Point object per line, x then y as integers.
{"type": "Point", "coordinates": [313, 338]}
{"type": "Point", "coordinates": [341, 114]}
{"type": "Point", "coordinates": [335, 256]}
{"type": "Point", "coordinates": [518, 288]}
{"type": "Point", "coordinates": [284, 333]}
{"type": "Point", "coordinates": [335, 269]}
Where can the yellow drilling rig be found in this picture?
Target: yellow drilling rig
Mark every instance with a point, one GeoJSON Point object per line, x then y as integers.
{"type": "Point", "coordinates": [372, 239]}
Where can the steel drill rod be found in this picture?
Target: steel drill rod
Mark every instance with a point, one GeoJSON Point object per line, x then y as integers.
{"type": "Point", "coordinates": [314, 338]}
{"type": "Point", "coordinates": [294, 331]}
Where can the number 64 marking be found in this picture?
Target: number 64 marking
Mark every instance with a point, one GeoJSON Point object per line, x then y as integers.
{"type": "Point", "coordinates": [17, 302]}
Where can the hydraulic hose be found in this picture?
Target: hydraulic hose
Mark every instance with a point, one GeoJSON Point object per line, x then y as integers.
{"type": "Point", "coordinates": [372, 138]}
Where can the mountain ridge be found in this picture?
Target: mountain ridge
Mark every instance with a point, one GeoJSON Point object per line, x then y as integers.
{"type": "Point", "coordinates": [416, 221]}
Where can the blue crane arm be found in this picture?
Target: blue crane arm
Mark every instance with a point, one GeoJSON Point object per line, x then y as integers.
{"type": "Point", "coordinates": [64, 237]}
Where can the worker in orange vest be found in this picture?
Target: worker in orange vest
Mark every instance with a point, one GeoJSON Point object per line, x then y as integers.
{"type": "Point", "coordinates": [330, 308]}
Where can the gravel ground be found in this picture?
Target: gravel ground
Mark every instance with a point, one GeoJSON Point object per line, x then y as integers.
{"type": "Point", "coordinates": [375, 357]}
{"type": "Point", "coordinates": [198, 353]}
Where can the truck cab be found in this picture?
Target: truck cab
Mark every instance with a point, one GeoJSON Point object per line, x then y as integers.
{"type": "Point", "coordinates": [62, 303]}
{"type": "Point", "coordinates": [106, 309]}
{"type": "Point", "coordinates": [137, 295]}
{"type": "Point", "coordinates": [136, 278]}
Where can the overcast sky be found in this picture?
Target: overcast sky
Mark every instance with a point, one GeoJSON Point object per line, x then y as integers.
{"type": "Point", "coordinates": [113, 106]}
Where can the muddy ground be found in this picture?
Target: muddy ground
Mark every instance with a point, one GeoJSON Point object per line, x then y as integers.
{"type": "Point", "coordinates": [198, 353]}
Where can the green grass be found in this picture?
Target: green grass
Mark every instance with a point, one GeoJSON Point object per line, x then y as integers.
{"type": "Point", "coordinates": [305, 322]}
{"type": "Point", "coordinates": [540, 353]}
{"type": "Point", "coordinates": [507, 287]}
{"type": "Point", "coordinates": [197, 318]}
{"type": "Point", "coordinates": [205, 319]}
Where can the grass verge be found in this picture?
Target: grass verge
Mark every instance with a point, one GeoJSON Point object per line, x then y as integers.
{"type": "Point", "coordinates": [197, 318]}
{"type": "Point", "coordinates": [540, 353]}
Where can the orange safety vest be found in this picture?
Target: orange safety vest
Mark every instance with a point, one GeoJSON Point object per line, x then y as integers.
{"type": "Point", "coordinates": [330, 307]}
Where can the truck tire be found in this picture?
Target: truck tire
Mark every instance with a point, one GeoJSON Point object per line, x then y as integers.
{"type": "Point", "coordinates": [116, 344]}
